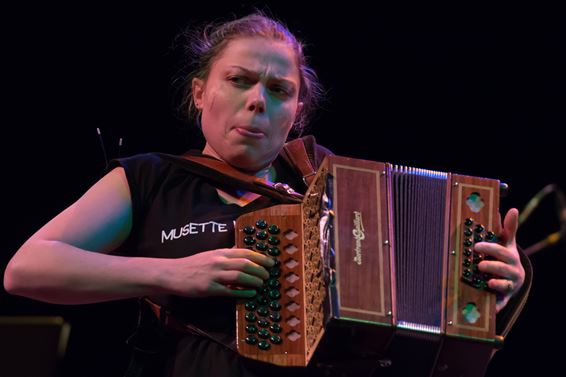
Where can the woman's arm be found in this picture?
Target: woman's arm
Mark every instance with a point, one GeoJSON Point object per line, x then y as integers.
{"type": "Point", "coordinates": [67, 261]}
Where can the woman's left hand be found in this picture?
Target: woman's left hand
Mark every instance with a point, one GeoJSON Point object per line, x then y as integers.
{"type": "Point", "coordinates": [509, 274]}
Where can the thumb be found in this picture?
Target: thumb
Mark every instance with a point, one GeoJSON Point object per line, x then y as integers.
{"type": "Point", "coordinates": [510, 226]}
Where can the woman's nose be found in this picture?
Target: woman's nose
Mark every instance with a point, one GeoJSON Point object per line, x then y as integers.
{"type": "Point", "coordinates": [256, 101]}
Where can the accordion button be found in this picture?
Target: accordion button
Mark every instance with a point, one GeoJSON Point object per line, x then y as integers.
{"type": "Point", "coordinates": [467, 252]}
{"type": "Point", "coordinates": [273, 240]}
{"type": "Point", "coordinates": [490, 236]}
{"type": "Point", "coordinates": [479, 228]}
{"type": "Point", "coordinates": [275, 317]}
{"type": "Point", "coordinates": [468, 242]}
{"type": "Point", "coordinates": [274, 272]}
{"type": "Point", "coordinates": [261, 246]}
{"type": "Point", "coordinates": [273, 283]}
{"type": "Point", "coordinates": [467, 262]}
{"type": "Point", "coordinates": [468, 232]}
{"type": "Point", "coordinates": [273, 229]}
{"type": "Point", "coordinates": [274, 294]}
{"type": "Point", "coordinates": [249, 240]}
{"type": "Point", "coordinates": [250, 317]}
{"type": "Point", "coordinates": [263, 323]}
{"type": "Point", "coordinates": [274, 305]}
{"type": "Point", "coordinates": [469, 221]}
{"type": "Point", "coordinates": [261, 235]}
{"type": "Point", "coordinates": [478, 238]}
{"type": "Point", "coordinates": [250, 339]}
{"type": "Point", "coordinates": [250, 305]}
{"type": "Point", "coordinates": [263, 345]}
{"type": "Point", "coordinates": [263, 334]}
{"type": "Point", "coordinates": [249, 230]}
{"type": "Point", "coordinates": [264, 290]}
{"type": "Point", "coordinates": [276, 339]}
{"type": "Point", "coordinates": [467, 272]}
{"type": "Point", "coordinates": [251, 329]}
{"type": "Point", "coordinates": [261, 224]}
{"type": "Point", "coordinates": [274, 251]}
{"type": "Point", "coordinates": [261, 299]}
{"type": "Point", "coordinates": [276, 328]}
{"type": "Point", "coordinates": [262, 311]}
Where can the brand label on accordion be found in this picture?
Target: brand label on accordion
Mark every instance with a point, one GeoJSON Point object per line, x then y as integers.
{"type": "Point", "coordinates": [359, 236]}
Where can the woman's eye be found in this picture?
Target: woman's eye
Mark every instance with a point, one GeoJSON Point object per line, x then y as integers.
{"type": "Point", "coordinates": [280, 90]}
{"type": "Point", "coordinates": [238, 80]}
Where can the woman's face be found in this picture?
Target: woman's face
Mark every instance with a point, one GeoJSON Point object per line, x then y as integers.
{"type": "Point", "coordinates": [249, 101]}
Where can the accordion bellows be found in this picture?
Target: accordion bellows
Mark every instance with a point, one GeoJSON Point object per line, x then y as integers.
{"type": "Point", "coordinates": [385, 251]}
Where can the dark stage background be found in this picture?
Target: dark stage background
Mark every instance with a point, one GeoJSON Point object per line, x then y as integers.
{"type": "Point", "coordinates": [474, 91]}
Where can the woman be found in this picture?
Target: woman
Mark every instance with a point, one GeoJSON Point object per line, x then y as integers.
{"type": "Point", "coordinates": [150, 228]}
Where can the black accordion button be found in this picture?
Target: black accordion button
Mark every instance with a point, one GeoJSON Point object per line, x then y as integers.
{"type": "Point", "coordinates": [263, 334]}
{"type": "Point", "coordinates": [263, 345]}
{"type": "Point", "coordinates": [249, 230]}
{"type": "Point", "coordinates": [276, 339]}
{"type": "Point", "coordinates": [274, 251]}
{"type": "Point", "coordinates": [276, 328]}
{"type": "Point", "coordinates": [261, 224]}
{"type": "Point", "coordinates": [275, 305]}
{"type": "Point", "coordinates": [250, 339]}
{"type": "Point", "coordinates": [250, 317]}
{"type": "Point", "coordinates": [251, 329]}
{"type": "Point", "coordinates": [262, 311]}
{"type": "Point", "coordinates": [273, 229]}
{"type": "Point", "coordinates": [273, 240]}
{"type": "Point", "coordinates": [250, 305]}
{"type": "Point", "coordinates": [263, 323]}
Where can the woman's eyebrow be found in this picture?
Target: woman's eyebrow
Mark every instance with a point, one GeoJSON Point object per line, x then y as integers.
{"type": "Point", "coordinates": [256, 74]}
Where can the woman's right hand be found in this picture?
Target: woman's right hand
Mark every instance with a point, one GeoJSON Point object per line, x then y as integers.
{"type": "Point", "coordinates": [221, 272]}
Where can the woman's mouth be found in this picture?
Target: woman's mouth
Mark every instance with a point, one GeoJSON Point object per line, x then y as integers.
{"type": "Point", "coordinates": [250, 132]}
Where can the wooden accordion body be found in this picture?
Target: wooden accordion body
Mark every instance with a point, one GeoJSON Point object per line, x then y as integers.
{"type": "Point", "coordinates": [377, 260]}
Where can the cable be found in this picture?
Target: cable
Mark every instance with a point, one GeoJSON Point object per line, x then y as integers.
{"type": "Point", "coordinates": [532, 204]}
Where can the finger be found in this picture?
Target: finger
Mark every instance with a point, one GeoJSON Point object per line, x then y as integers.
{"type": "Point", "coordinates": [497, 268]}
{"type": "Point", "coordinates": [247, 266]}
{"type": "Point", "coordinates": [510, 226]}
{"type": "Point", "coordinates": [254, 256]}
{"type": "Point", "coordinates": [232, 291]}
{"type": "Point", "coordinates": [240, 279]}
{"type": "Point", "coordinates": [503, 286]}
{"type": "Point", "coordinates": [496, 251]}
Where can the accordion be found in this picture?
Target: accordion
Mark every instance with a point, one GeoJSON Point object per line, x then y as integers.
{"type": "Point", "coordinates": [377, 260]}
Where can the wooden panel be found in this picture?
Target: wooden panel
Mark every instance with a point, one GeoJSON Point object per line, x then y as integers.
{"type": "Point", "coordinates": [360, 228]}
{"type": "Point", "coordinates": [293, 320]}
{"type": "Point", "coordinates": [474, 213]}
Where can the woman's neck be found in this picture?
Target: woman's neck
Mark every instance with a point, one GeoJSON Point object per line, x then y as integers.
{"type": "Point", "coordinates": [266, 173]}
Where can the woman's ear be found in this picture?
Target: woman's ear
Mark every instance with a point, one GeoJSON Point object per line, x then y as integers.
{"type": "Point", "coordinates": [197, 89]}
{"type": "Point", "coordinates": [300, 107]}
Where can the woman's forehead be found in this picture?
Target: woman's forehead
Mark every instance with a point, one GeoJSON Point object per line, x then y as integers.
{"type": "Point", "coordinates": [258, 54]}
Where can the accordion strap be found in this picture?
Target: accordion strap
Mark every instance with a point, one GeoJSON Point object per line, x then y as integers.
{"type": "Point", "coordinates": [295, 152]}
{"type": "Point", "coordinates": [222, 173]}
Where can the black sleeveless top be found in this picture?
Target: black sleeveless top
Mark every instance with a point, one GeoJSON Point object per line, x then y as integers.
{"type": "Point", "coordinates": [176, 214]}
